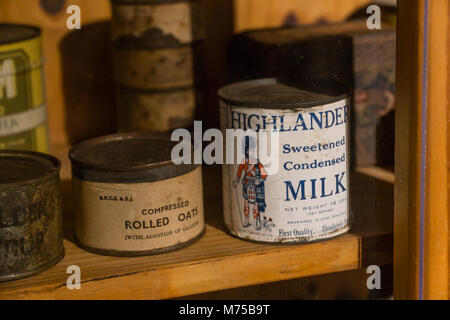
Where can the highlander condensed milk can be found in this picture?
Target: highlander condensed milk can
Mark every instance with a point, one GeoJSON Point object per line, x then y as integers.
{"type": "Point", "coordinates": [131, 199]}
{"type": "Point", "coordinates": [23, 114]}
{"type": "Point", "coordinates": [306, 198]}
{"type": "Point", "coordinates": [31, 232]}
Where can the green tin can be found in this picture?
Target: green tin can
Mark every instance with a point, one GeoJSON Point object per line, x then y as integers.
{"type": "Point", "coordinates": [23, 114]}
{"type": "Point", "coordinates": [31, 237]}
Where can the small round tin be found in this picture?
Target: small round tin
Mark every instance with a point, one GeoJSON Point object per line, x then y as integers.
{"type": "Point", "coordinates": [131, 199]}
{"type": "Point", "coordinates": [302, 195]}
{"type": "Point", "coordinates": [31, 237]}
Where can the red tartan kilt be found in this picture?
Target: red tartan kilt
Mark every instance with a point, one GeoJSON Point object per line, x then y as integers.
{"type": "Point", "coordinates": [251, 192]}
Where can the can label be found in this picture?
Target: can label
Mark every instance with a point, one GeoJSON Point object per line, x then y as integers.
{"type": "Point", "coordinates": [141, 216]}
{"type": "Point", "coordinates": [23, 114]}
{"type": "Point", "coordinates": [156, 111]}
{"type": "Point", "coordinates": [306, 199]}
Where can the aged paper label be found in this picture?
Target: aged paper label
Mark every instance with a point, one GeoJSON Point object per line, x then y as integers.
{"type": "Point", "coordinates": [141, 216]}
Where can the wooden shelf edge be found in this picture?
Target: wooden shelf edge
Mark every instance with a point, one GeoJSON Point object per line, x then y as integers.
{"type": "Point", "coordinates": [216, 262]}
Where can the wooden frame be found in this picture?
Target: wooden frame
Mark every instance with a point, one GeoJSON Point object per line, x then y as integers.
{"type": "Point", "coordinates": [421, 214]}
{"type": "Point", "coordinates": [421, 249]}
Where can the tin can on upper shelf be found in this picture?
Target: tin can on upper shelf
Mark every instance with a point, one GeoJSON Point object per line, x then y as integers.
{"type": "Point", "coordinates": [302, 194]}
{"type": "Point", "coordinates": [158, 57]}
{"type": "Point", "coordinates": [131, 199]}
{"type": "Point", "coordinates": [31, 232]}
{"type": "Point", "coordinates": [23, 114]}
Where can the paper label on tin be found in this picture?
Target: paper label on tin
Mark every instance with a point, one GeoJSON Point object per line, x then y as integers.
{"type": "Point", "coordinates": [22, 121]}
{"type": "Point", "coordinates": [307, 198]}
{"type": "Point", "coordinates": [140, 216]}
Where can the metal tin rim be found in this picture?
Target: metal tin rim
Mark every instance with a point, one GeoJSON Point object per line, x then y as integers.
{"type": "Point", "coordinates": [232, 102]}
{"type": "Point", "coordinates": [194, 45]}
{"type": "Point", "coordinates": [149, 172]}
{"type": "Point", "coordinates": [128, 89]}
{"type": "Point", "coordinates": [37, 33]}
{"type": "Point", "coordinates": [117, 253]}
{"type": "Point", "coordinates": [53, 160]}
{"type": "Point", "coordinates": [45, 267]}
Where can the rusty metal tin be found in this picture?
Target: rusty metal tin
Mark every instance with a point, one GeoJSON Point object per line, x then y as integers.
{"type": "Point", "coordinates": [131, 199]}
{"type": "Point", "coordinates": [31, 237]}
{"type": "Point", "coordinates": [159, 51]}
{"type": "Point", "coordinates": [157, 24]}
{"type": "Point", "coordinates": [303, 195]}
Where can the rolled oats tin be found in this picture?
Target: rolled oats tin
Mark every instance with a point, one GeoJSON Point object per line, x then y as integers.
{"type": "Point", "coordinates": [23, 114]}
{"type": "Point", "coordinates": [31, 236]}
{"type": "Point", "coordinates": [131, 199]}
{"type": "Point", "coordinates": [160, 111]}
{"type": "Point", "coordinates": [306, 199]}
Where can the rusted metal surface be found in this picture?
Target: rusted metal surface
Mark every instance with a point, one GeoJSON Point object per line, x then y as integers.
{"type": "Point", "coordinates": [131, 199]}
{"type": "Point", "coordinates": [31, 237]}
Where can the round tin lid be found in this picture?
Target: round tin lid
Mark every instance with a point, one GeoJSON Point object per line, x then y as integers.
{"type": "Point", "coordinates": [10, 33]}
{"type": "Point", "coordinates": [17, 167]}
{"type": "Point", "coordinates": [272, 93]}
{"type": "Point", "coordinates": [126, 158]}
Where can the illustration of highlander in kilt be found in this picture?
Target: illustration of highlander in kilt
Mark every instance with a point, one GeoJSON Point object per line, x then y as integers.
{"type": "Point", "coordinates": [253, 177]}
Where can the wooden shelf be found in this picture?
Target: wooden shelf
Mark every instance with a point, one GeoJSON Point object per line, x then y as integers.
{"type": "Point", "coordinates": [217, 261]}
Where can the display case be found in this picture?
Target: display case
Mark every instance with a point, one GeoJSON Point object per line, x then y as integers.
{"type": "Point", "coordinates": [393, 60]}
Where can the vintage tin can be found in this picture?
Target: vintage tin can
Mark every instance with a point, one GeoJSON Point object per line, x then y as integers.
{"type": "Point", "coordinates": [31, 236]}
{"type": "Point", "coordinates": [155, 69]}
{"type": "Point", "coordinates": [304, 197]}
{"type": "Point", "coordinates": [23, 114]}
{"type": "Point", "coordinates": [158, 51]}
{"type": "Point", "coordinates": [158, 23]}
{"type": "Point", "coordinates": [131, 199]}
{"type": "Point", "coordinates": [162, 111]}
